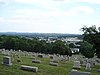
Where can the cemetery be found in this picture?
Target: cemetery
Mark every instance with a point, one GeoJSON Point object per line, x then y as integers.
{"type": "Point", "coordinates": [28, 64]}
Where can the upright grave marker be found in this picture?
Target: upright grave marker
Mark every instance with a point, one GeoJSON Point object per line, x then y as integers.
{"type": "Point", "coordinates": [7, 60]}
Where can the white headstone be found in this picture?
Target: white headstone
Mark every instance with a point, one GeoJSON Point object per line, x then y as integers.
{"type": "Point", "coordinates": [3, 51]}
{"type": "Point", "coordinates": [7, 60]}
{"type": "Point", "coordinates": [88, 66]}
{"type": "Point", "coordinates": [76, 65]}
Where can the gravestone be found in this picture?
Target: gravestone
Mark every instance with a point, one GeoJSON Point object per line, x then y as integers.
{"type": "Point", "coordinates": [88, 66]}
{"type": "Point", "coordinates": [36, 61]}
{"type": "Point", "coordinates": [97, 61]}
{"type": "Point", "coordinates": [92, 62]}
{"type": "Point", "coordinates": [76, 65]}
{"type": "Point", "coordinates": [64, 59]}
{"type": "Point", "coordinates": [84, 62]}
{"type": "Point", "coordinates": [29, 68]}
{"type": "Point", "coordinates": [3, 51]}
{"type": "Point", "coordinates": [7, 60]}
{"type": "Point", "coordinates": [75, 72]}
{"type": "Point", "coordinates": [53, 64]}
{"type": "Point", "coordinates": [40, 55]}
{"type": "Point", "coordinates": [18, 60]}
{"type": "Point", "coordinates": [51, 56]}
{"type": "Point", "coordinates": [7, 52]}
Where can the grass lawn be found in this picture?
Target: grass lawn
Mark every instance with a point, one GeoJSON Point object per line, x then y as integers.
{"type": "Point", "coordinates": [44, 67]}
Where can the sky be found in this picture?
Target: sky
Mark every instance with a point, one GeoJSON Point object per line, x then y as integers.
{"type": "Point", "coordinates": [48, 16]}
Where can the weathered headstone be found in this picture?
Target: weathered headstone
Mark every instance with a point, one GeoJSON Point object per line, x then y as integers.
{"type": "Point", "coordinates": [75, 72]}
{"type": "Point", "coordinates": [88, 66]}
{"type": "Point", "coordinates": [40, 55]}
{"type": "Point", "coordinates": [29, 68]}
{"type": "Point", "coordinates": [76, 65]}
{"type": "Point", "coordinates": [84, 62]}
{"type": "Point", "coordinates": [51, 56]}
{"type": "Point", "coordinates": [7, 60]}
{"type": "Point", "coordinates": [36, 61]}
{"type": "Point", "coordinates": [53, 64]}
{"type": "Point", "coordinates": [64, 59]}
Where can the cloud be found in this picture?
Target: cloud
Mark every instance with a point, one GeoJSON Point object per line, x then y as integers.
{"type": "Point", "coordinates": [2, 20]}
{"type": "Point", "coordinates": [55, 13]}
{"type": "Point", "coordinates": [52, 2]}
{"type": "Point", "coordinates": [46, 4]}
{"type": "Point", "coordinates": [35, 18]}
{"type": "Point", "coordinates": [80, 9]}
{"type": "Point", "coordinates": [90, 1]}
{"type": "Point", "coordinates": [5, 1]}
{"type": "Point", "coordinates": [46, 18]}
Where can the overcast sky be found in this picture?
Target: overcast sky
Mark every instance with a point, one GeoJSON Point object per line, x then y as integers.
{"type": "Point", "coordinates": [48, 16]}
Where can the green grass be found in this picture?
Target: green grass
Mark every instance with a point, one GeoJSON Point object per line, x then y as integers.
{"type": "Point", "coordinates": [44, 67]}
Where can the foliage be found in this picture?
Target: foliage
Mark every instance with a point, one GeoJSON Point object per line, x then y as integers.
{"type": "Point", "coordinates": [71, 45]}
{"type": "Point", "coordinates": [60, 47]}
{"type": "Point", "coordinates": [34, 45]}
{"type": "Point", "coordinates": [86, 49]}
{"type": "Point", "coordinates": [92, 35]}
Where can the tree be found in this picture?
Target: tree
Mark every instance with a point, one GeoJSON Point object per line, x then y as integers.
{"type": "Point", "coordinates": [89, 30]}
{"type": "Point", "coordinates": [71, 45]}
{"type": "Point", "coordinates": [92, 35]}
{"type": "Point", "coordinates": [34, 45]}
{"type": "Point", "coordinates": [86, 49]}
{"type": "Point", "coordinates": [60, 47]}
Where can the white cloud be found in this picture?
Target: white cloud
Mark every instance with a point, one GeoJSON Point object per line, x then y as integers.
{"type": "Point", "coordinates": [48, 21]}
{"type": "Point", "coordinates": [43, 2]}
{"type": "Point", "coordinates": [47, 4]}
{"type": "Point", "coordinates": [90, 1]}
{"type": "Point", "coordinates": [5, 1]}
{"type": "Point", "coordinates": [2, 20]}
{"type": "Point", "coordinates": [81, 9]}
{"type": "Point", "coordinates": [55, 13]}
{"type": "Point", "coordinates": [56, 2]}
{"type": "Point", "coordinates": [47, 18]}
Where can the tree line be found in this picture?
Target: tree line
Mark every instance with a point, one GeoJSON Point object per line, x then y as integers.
{"type": "Point", "coordinates": [34, 45]}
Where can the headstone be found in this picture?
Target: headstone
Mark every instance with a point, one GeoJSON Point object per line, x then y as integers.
{"type": "Point", "coordinates": [40, 55]}
{"type": "Point", "coordinates": [55, 59]}
{"type": "Point", "coordinates": [88, 66]}
{"type": "Point", "coordinates": [29, 68]}
{"type": "Point", "coordinates": [7, 60]}
{"type": "Point", "coordinates": [76, 65]}
{"type": "Point", "coordinates": [18, 58]}
{"type": "Point", "coordinates": [75, 72]}
{"type": "Point", "coordinates": [7, 52]}
{"type": "Point", "coordinates": [64, 59]}
{"type": "Point", "coordinates": [92, 62]}
{"type": "Point", "coordinates": [51, 56]}
{"type": "Point", "coordinates": [36, 61]}
{"type": "Point", "coordinates": [99, 70]}
{"type": "Point", "coordinates": [53, 64]}
{"type": "Point", "coordinates": [84, 62]}
{"type": "Point", "coordinates": [97, 61]}
{"type": "Point", "coordinates": [3, 51]}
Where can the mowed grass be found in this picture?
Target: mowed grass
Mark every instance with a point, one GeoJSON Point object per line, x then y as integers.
{"type": "Point", "coordinates": [44, 67]}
